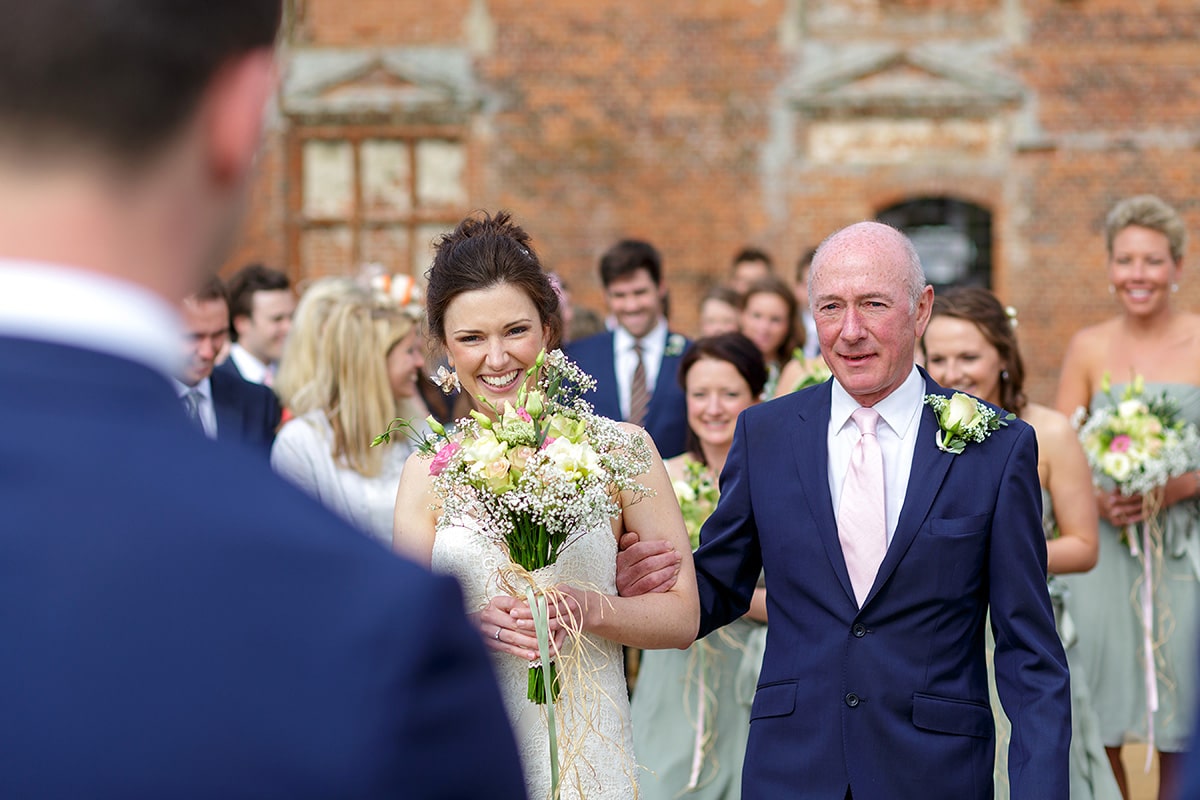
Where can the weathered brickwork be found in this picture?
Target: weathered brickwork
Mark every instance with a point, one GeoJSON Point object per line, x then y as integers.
{"type": "Point", "coordinates": [704, 125]}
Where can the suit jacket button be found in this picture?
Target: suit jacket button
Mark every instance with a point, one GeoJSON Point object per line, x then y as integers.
{"type": "Point", "coordinates": [852, 700]}
{"type": "Point", "coordinates": [859, 630]}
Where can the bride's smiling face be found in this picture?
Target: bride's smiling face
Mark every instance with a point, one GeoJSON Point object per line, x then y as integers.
{"type": "Point", "coordinates": [492, 336]}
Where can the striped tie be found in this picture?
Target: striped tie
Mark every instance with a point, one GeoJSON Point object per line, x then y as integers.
{"type": "Point", "coordinates": [191, 407]}
{"type": "Point", "coordinates": [639, 395]}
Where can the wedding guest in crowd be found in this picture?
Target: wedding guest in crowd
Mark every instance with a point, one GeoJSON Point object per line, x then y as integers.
{"type": "Point", "coordinates": [1153, 340]}
{"type": "Point", "coordinates": [369, 359]}
{"type": "Point", "coordinates": [635, 364]}
{"type": "Point", "coordinates": [493, 310]}
{"type": "Point", "coordinates": [720, 311]}
{"type": "Point", "coordinates": [970, 345]}
{"type": "Point", "coordinates": [750, 265]}
{"type": "Point", "coordinates": [298, 364]}
{"type": "Point", "coordinates": [769, 320]}
{"type": "Point", "coordinates": [691, 709]}
{"type": "Point", "coordinates": [812, 344]}
{"type": "Point", "coordinates": [178, 621]}
{"type": "Point", "coordinates": [224, 406]}
{"type": "Point", "coordinates": [260, 309]}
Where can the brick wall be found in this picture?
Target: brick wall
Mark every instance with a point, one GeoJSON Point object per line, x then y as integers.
{"type": "Point", "coordinates": [704, 125]}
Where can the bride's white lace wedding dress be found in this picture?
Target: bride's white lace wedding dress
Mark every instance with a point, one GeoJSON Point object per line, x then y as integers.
{"type": "Point", "coordinates": [595, 738]}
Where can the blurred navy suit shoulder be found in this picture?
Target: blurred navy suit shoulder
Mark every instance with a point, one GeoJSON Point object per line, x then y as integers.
{"type": "Point", "coordinates": [246, 412]}
{"type": "Point", "coordinates": [181, 623]}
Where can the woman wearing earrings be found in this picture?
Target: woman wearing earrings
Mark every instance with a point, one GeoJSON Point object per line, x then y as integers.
{"type": "Point", "coordinates": [970, 345]}
{"type": "Point", "coordinates": [1153, 340]}
{"type": "Point", "coordinates": [492, 309]}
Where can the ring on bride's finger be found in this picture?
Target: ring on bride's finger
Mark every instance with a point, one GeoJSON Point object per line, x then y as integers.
{"type": "Point", "coordinates": [497, 633]}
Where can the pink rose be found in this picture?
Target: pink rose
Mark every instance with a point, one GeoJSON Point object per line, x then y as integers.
{"type": "Point", "coordinates": [442, 459]}
{"type": "Point", "coordinates": [549, 441]}
{"type": "Point", "coordinates": [1120, 444]}
{"type": "Point", "coordinates": [523, 414]}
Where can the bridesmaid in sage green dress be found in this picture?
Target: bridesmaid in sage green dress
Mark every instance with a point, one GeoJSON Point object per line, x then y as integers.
{"type": "Point", "coordinates": [970, 345]}
{"type": "Point", "coordinates": [1152, 340]}
{"type": "Point", "coordinates": [691, 708]}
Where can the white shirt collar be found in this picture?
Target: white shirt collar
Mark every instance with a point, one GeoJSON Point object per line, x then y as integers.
{"type": "Point", "coordinates": [80, 308]}
{"type": "Point", "coordinates": [248, 364]}
{"type": "Point", "coordinates": [899, 409]}
{"type": "Point", "coordinates": [203, 388]}
{"type": "Point", "coordinates": [653, 343]}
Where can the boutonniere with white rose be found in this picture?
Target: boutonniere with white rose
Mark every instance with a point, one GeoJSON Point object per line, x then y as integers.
{"type": "Point", "coordinates": [675, 345]}
{"type": "Point", "coordinates": [962, 419]}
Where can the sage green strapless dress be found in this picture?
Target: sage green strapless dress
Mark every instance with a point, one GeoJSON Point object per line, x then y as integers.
{"type": "Point", "coordinates": [712, 682]}
{"type": "Point", "coordinates": [1091, 774]}
{"type": "Point", "coordinates": [1105, 604]}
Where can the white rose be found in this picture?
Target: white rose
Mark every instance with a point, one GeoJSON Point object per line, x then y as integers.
{"type": "Point", "coordinates": [684, 492]}
{"type": "Point", "coordinates": [484, 450]}
{"type": "Point", "coordinates": [576, 460]}
{"type": "Point", "coordinates": [1117, 466]}
{"type": "Point", "coordinates": [962, 412]}
{"type": "Point", "coordinates": [1130, 408]}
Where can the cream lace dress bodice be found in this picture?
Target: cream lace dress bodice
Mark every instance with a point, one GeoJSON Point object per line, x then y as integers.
{"type": "Point", "coordinates": [595, 739]}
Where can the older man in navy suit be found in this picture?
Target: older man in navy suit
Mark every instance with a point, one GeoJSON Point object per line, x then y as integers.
{"type": "Point", "coordinates": [222, 404]}
{"type": "Point", "coordinates": [636, 364]}
{"type": "Point", "coordinates": [177, 621]}
{"type": "Point", "coordinates": [883, 553]}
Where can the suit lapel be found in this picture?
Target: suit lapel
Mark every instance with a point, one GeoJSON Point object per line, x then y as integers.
{"type": "Point", "coordinates": [667, 374]}
{"type": "Point", "coordinates": [929, 468]}
{"type": "Point", "coordinates": [810, 446]}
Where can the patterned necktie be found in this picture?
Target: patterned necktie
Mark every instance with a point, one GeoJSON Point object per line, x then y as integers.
{"type": "Point", "coordinates": [639, 395]}
{"type": "Point", "coordinates": [862, 518]}
{"type": "Point", "coordinates": [191, 407]}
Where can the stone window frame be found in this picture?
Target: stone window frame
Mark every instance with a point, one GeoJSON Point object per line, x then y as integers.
{"type": "Point", "coordinates": [416, 218]}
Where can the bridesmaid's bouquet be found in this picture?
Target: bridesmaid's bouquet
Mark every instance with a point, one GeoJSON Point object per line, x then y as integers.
{"type": "Point", "coordinates": [697, 494]}
{"type": "Point", "coordinates": [536, 475]}
{"type": "Point", "coordinates": [815, 371]}
{"type": "Point", "coordinates": [1139, 442]}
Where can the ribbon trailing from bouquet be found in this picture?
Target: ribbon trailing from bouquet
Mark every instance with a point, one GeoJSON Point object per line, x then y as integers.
{"type": "Point", "coordinates": [541, 624]}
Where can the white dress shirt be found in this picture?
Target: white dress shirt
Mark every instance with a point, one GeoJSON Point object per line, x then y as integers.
{"type": "Point", "coordinates": [205, 407]}
{"type": "Point", "coordinates": [248, 364]}
{"type": "Point", "coordinates": [79, 308]}
{"type": "Point", "coordinates": [900, 418]}
{"type": "Point", "coordinates": [654, 344]}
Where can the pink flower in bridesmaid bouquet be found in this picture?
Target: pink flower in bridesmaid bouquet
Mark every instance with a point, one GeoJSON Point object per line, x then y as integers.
{"type": "Point", "coordinates": [1120, 444]}
{"type": "Point", "coordinates": [442, 459]}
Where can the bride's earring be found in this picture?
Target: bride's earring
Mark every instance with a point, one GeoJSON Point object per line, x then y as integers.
{"type": "Point", "coordinates": [447, 380]}
{"type": "Point", "coordinates": [1174, 288]}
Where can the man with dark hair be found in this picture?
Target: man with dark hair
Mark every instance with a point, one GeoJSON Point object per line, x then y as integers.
{"type": "Point", "coordinates": [224, 406]}
{"type": "Point", "coordinates": [636, 363]}
{"type": "Point", "coordinates": [750, 265]}
{"type": "Point", "coordinates": [261, 304]}
{"type": "Point", "coordinates": [179, 622]}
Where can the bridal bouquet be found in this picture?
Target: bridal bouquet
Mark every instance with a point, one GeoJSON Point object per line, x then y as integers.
{"type": "Point", "coordinates": [536, 475]}
{"type": "Point", "coordinates": [1138, 443]}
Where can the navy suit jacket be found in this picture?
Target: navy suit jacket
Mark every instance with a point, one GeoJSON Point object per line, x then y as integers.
{"type": "Point", "coordinates": [666, 417]}
{"type": "Point", "coordinates": [180, 622]}
{"type": "Point", "coordinates": [246, 412]}
{"type": "Point", "coordinates": [890, 699]}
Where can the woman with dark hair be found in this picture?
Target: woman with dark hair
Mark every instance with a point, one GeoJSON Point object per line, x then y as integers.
{"type": "Point", "coordinates": [1149, 337]}
{"type": "Point", "coordinates": [970, 345]}
{"type": "Point", "coordinates": [493, 309]}
{"type": "Point", "coordinates": [769, 319]}
{"type": "Point", "coordinates": [691, 709]}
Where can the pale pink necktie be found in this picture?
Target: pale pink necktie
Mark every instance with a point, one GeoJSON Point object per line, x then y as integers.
{"type": "Point", "coordinates": [862, 518]}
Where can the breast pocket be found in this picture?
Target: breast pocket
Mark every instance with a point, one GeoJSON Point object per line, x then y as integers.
{"type": "Point", "coordinates": [959, 526]}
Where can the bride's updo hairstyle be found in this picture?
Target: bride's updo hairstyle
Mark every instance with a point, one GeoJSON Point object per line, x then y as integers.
{"type": "Point", "coordinates": [483, 252]}
{"type": "Point", "coordinates": [997, 324]}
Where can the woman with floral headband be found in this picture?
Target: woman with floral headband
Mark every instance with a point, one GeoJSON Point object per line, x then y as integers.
{"type": "Point", "coordinates": [691, 709]}
{"type": "Point", "coordinates": [493, 309]}
{"type": "Point", "coordinates": [1149, 340]}
{"type": "Point", "coordinates": [970, 345]}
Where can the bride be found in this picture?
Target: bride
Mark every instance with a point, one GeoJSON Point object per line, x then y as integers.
{"type": "Point", "coordinates": [491, 307]}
